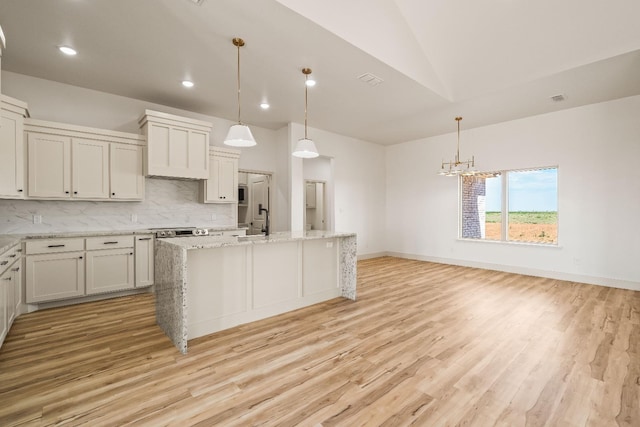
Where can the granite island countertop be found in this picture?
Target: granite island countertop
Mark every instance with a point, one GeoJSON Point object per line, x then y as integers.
{"type": "Point", "coordinates": [210, 242]}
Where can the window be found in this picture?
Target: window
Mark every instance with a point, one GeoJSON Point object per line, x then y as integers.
{"type": "Point", "coordinates": [514, 206]}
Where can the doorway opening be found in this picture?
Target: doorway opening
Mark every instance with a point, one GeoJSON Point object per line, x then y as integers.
{"type": "Point", "coordinates": [315, 205]}
{"type": "Point", "coordinates": [257, 188]}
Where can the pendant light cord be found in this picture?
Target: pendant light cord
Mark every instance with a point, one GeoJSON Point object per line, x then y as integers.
{"type": "Point", "coordinates": [458, 150]}
{"type": "Point", "coordinates": [238, 83]}
{"type": "Point", "coordinates": [306, 89]}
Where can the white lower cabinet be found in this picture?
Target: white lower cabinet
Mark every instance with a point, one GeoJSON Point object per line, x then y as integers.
{"type": "Point", "coordinates": [10, 289]}
{"type": "Point", "coordinates": [144, 261]}
{"type": "Point", "coordinates": [58, 269]}
{"type": "Point", "coordinates": [4, 305]}
{"type": "Point", "coordinates": [109, 270]}
{"type": "Point", "coordinates": [54, 276]}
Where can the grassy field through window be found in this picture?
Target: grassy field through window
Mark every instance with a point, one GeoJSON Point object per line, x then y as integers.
{"type": "Point", "coordinates": [539, 227]}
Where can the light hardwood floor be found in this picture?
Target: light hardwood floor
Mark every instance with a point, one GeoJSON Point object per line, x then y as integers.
{"type": "Point", "coordinates": [425, 344]}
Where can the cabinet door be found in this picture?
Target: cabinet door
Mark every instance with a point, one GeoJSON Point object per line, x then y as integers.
{"type": "Point", "coordinates": [11, 155]}
{"type": "Point", "coordinates": [54, 276]}
{"type": "Point", "coordinates": [49, 165]}
{"type": "Point", "coordinates": [144, 261]}
{"type": "Point", "coordinates": [222, 185]}
{"type": "Point", "coordinates": [228, 179]}
{"type": "Point", "coordinates": [109, 270]}
{"type": "Point", "coordinates": [90, 171]}
{"type": "Point", "coordinates": [126, 176]}
{"type": "Point", "coordinates": [17, 286]}
{"type": "Point", "coordinates": [4, 325]}
{"type": "Point", "coordinates": [10, 296]}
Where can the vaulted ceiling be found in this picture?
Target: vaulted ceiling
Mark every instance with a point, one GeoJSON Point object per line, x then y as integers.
{"type": "Point", "coordinates": [489, 61]}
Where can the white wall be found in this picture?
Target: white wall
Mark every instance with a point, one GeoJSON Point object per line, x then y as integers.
{"type": "Point", "coordinates": [359, 186]}
{"type": "Point", "coordinates": [597, 149]}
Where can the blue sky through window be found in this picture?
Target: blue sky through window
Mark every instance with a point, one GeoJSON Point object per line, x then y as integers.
{"type": "Point", "coordinates": [532, 191]}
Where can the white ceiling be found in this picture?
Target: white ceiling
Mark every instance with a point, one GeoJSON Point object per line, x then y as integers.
{"type": "Point", "coordinates": [488, 61]}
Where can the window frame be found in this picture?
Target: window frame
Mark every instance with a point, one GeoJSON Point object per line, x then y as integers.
{"type": "Point", "coordinates": [504, 206]}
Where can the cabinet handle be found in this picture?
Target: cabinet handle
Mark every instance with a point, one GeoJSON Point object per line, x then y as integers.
{"type": "Point", "coordinates": [144, 238]}
{"type": "Point", "coordinates": [130, 253]}
{"type": "Point", "coordinates": [66, 192]}
{"type": "Point", "coordinates": [110, 243]}
{"type": "Point", "coordinates": [113, 194]}
{"type": "Point", "coordinates": [7, 278]}
{"type": "Point", "coordinates": [19, 191]}
{"type": "Point", "coordinates": [16, 269]}
{"type": "Point", "coordinates": [75, 192]}
{"type": "Point", "coordinates": [18, 250]}
{"type": "Point", "coordinates": [13, 255]}
{"type": "Point", "coordinates": [4, 262]}
{"type": "Point", "coordinates": [55, 246]}
{"type": "Point", "coordinates": [79, 257]}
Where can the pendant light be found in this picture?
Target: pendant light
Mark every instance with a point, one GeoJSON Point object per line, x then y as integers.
{"type": "Point", "coordinates": [239, 135]}
{"type": "Point", "coordinates": [305, 148]}
{"type": "Point", "coordinates": [456, 167]}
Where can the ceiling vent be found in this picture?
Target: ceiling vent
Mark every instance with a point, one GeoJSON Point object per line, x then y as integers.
{"type": "Point", "coordinates": [558, 98]}
{"type": "Point", "coordinates": [370, 79]}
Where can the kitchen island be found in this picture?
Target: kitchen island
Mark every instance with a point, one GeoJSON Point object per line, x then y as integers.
{"type": "Point", "coordinates": [207, 284]}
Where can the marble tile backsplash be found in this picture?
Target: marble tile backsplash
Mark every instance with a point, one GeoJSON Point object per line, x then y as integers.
{"type": "Point", "coordinates": [167, 203]}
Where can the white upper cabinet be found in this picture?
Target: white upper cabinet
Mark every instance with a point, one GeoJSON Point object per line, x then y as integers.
{"type": "Point", "coordinates": [73, 162]}
{"type": "Point", "coordinates": [90, 169]}
{"type": "Point", "coordinates": [12, 114]}
{"type": "Point", "coordinates": [126, 172]}
{"type": "Point", "coordinates": [222, 185]}
{"type": "Point", "coordinates": [177, 146]}
{"type": "Point", "coordinates": [2, 46]}
{"type": "Point", "coordinates": [49, 165]}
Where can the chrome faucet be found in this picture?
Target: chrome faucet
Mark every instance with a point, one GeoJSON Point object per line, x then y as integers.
{"type": "Point", "coordinates": [265, 227]}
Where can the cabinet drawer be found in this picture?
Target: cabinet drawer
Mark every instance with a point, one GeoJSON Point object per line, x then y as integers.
{"type": "Point", "coordinates": [8, 257]}
{"type": "Point", "coordinates": [50, 246]}
{"type": "Point", "coordinates": [109, 242]}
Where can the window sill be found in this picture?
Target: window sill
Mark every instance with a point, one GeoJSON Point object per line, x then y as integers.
{"type": "Point", "coordinates": [511, 243]}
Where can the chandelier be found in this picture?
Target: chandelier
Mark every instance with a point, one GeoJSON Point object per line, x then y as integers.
{"type": "Point", "coordinates": [457, 167]}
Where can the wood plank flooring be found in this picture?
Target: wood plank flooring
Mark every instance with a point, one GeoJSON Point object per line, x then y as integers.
{"type": "Point", "coordinates": [425, 344]}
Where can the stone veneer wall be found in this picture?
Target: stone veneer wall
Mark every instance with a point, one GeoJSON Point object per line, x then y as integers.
{"type": "Point", "coordinates": [472, 187]}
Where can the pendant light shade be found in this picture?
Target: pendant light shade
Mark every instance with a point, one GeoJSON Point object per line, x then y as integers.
{"type": "Point", "coordinates": [239, 135]}
{"type": "Point", "coordinates": [305, 148]}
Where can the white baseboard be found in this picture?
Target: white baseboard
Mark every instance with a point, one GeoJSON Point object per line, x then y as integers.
{"type": "Point", "coordinates": [558, 275]}
{"type": "Point", "coordinates": [372, 255]}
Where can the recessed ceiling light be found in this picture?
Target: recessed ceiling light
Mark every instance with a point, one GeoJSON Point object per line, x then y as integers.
{"type": "Point", "coordinates": [67, 50]}
{"type": "Point", "coordinates": [264, 106]}
{"type": "Point", "coordinates": [187, 83]}
{"type": "Point", "coordinates": [310, 82]}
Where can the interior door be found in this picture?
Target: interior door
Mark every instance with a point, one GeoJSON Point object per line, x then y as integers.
{"type": "Point", "coordinates": [259, 194]}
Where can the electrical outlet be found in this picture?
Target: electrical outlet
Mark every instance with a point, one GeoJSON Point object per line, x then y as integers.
{"type": "Point", "coordinates": [214, 217]}
{"type": "Point", "coordinates": [134, 218]}
{"type": "Point", "coordinates": [329, 244]}
{"type": "Point", "coordinates": [37, 219]}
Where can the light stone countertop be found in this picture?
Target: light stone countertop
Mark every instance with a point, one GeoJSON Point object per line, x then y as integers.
{"type": "Point", "coordinates": [64, 234]}
{"type": "Point", "coordinates": [206, 242]}
{"type": "Point", "coordinates": [6, 242]}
